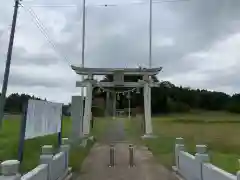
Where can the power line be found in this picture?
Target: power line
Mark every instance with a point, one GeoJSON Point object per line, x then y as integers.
{"type": "Point", "coordinates": [54, 5]}
{"type": "Point", "coordinates": [42, 28]}
{"type": "Point", "coordinates": [170, 1]}
{"type": "Point", "coordinates": [105, 5]}
{"type": "Point", "coordinates": [44, 31]}
{"type": "Point", "coordinates": [136, 3]}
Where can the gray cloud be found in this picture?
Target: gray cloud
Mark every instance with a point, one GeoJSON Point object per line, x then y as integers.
{"type": "Point", "coordinates": [195, 41]}
{"type": "Point", "coordinates": [21, 57]}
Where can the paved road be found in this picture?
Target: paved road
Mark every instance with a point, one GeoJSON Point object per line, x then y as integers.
{"type": "Point", "coordinates": [115, 132]}
{"type": "Point", "coordinates": [95, 166]}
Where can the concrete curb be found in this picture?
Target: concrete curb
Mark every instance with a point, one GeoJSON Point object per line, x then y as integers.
{"type": "Point", "coordinates": [175, 173]}
{"type": "Point", "coordinates": [69, 174]}
{"type": "Point", "coordinates": [148, 136]}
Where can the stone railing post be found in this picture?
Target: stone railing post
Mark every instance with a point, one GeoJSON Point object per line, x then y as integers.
{"type": "Point", "coordinates": [46, 157]}
{"type": "Point", "coordinates": [65, 141]}
{"type": "Point", "coordinates": [238, 175]}
{"type": "Point", "coordinates": [47, 150]}
{"type": "Point", "coordinates": [84, 142]}
{"type": "Point", "coordinates": [201, 157]}
{"type": "Point", "coordinates": [179, 146]}
{"type": "Point", "coordinates": [65, 147]}
{"type": "Point", "coordinates": [9, 170]}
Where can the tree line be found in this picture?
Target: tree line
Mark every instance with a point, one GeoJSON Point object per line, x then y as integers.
{"type": "Point", "coordinates": [15, 102]}
{"type": "Point", "coordinates": [166, 98]}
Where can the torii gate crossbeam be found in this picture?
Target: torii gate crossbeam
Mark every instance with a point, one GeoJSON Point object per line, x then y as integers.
{"type": "Point", "coordinates": [118, 81]}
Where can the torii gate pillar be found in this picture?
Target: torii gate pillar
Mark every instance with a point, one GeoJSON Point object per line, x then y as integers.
{"type": "Point", "coordinates": [114, 104]}
{"type": "Point", "coordinates": [88, 108]}
{"type": "Point", "coordinates": [147, 110]}
{"type": "Point", "coordinates": [108, 105]}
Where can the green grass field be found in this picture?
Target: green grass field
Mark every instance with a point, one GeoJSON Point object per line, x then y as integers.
{"type": "Point", "coordinates": [9, 138]}
{"type": "Point", "coordinates": [219, 130]}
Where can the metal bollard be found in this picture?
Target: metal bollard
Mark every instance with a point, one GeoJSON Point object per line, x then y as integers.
{"type": "Point", "coordinates": [131, 157]}
{"type": "Point", "coordinates": [112, 156]}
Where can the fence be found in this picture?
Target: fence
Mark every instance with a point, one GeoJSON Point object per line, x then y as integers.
{"type": "Point", "coordinates": [52, 167]}
{"type": "Point", "coordinates": [198, 167]}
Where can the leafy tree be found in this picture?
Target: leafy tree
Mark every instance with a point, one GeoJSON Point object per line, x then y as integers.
{"type": "Point", "coordinates": [166, 98]}
{"type": "Point", "coordinates": [169, 98]}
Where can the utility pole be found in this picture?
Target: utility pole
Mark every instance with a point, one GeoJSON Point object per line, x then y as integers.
{"type": "Point", "coordinates": [8, 62]}
{"type": "Point", "coordinates": [150, 35]}
{"type": "Point", "coordinates": [83, 51]}
{"type": "Point", "coordinates": [83, 32]}
{"type": "Point", "coordinates": [83, 38]}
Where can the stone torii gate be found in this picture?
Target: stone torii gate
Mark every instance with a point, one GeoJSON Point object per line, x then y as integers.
{"type": "Point", "coordinates": [118, 81]}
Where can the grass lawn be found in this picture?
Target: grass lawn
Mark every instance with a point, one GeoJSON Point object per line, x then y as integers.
{"type": "Point", "coordinates": [220, 131]}
{"type": "Point", "coordinates": [9, 138]}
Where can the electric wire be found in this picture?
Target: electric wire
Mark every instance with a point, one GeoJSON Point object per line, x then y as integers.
{"type": "Point", "coordinates": [44, 32]}
{"type": "Point", "coordinates": [108, 5]}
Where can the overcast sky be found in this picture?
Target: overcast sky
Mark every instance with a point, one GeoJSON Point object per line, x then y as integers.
{"type": "Point", "coordinates": [197, 42]}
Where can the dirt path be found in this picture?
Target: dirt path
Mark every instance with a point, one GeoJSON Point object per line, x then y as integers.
{"type": "Point", "coordinates": [115, 132]}
{"type": "Point", "coordinates": [96, 165]}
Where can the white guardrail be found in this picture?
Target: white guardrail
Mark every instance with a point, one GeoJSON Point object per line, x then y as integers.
{"type": "Point", "coordinates": [51, 167]}
{"type": "Point", "coordinates": [198, 167]}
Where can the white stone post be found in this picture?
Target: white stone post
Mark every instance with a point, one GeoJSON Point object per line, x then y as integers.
{"type": "Point", "coordinates": [84, 142]}
{"type": "Point", "coordinates": [114, 104]}
{"type": "Point", "coordinates": [87, 109]}
{"type": "Point", "coordinates": [9, 170]}
{"type": "Point", "coordinates": [47, 157]}
{"type": "Point", "coordinates": [238, 175]}
{"type": "Point", "coordinates": [147, 109]}
{"type": "Point", "coordinates": [65, 147]}
{"type": "Point", "coordinates": [65, 141]}
{"type": "Point", "coordinates": [179, 146]}
{"type": "Point", "coordinates": [129, 105]}
{"type": "Point", "coordinates": [201, 157]}
{"type": "Point", "coordinates": [47, 149]}
{"type": "Point", "coordinates": [107, 110]}
{"type": "Point", "coordinates": [77, 118]}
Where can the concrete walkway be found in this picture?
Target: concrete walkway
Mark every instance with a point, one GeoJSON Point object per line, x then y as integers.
{"type": "Point", "coordinates": [115, 132]}
{"type": "Point", "coordinates": [96, 165]}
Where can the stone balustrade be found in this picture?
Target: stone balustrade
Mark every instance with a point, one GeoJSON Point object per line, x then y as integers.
{"type": "Point", "coordinates": [51, 167]}
{"type": "Point", "coordinates": [198, 166]}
